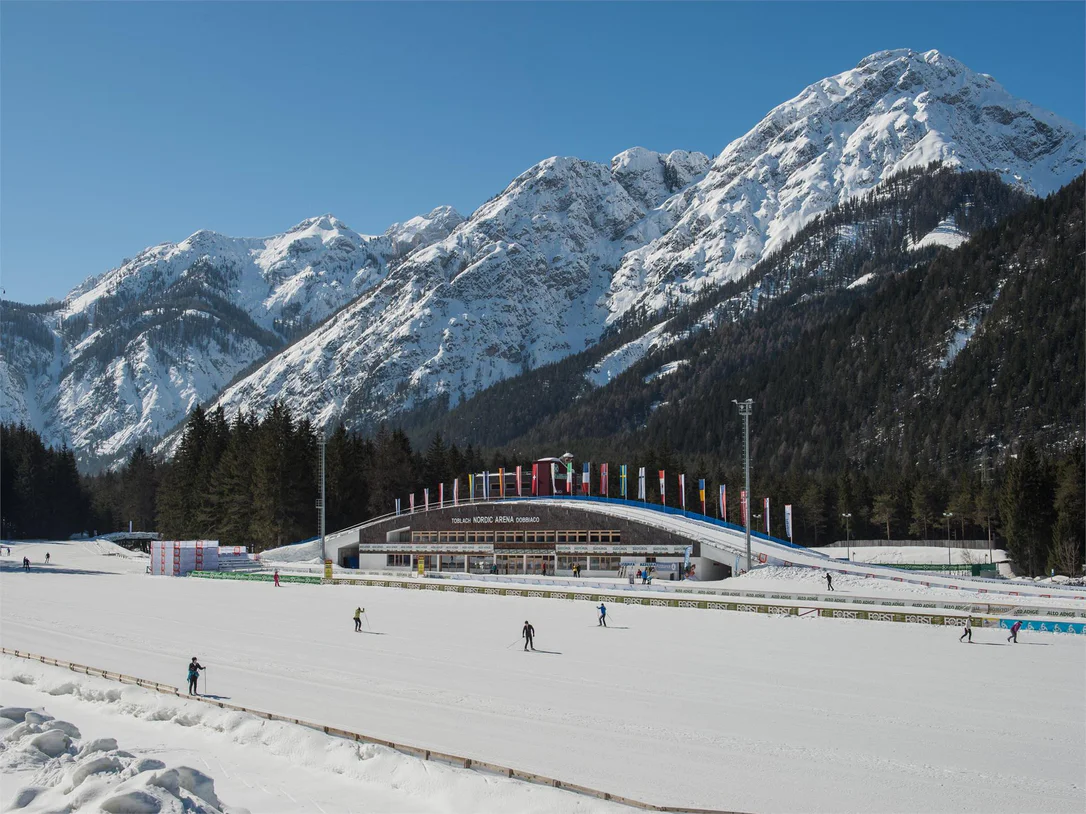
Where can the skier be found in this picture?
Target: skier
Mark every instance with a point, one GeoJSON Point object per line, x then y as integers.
{"type": "Point", "coordinates": [194, 673]}
{"type": "Point", "coordinates": [276, 575]}
{"type": "Point", "coordinates": [527, 633]}
{"type": "Point", "coordinates": [358, 619]}
{"type": "Point", "coordinates": [1014, 632]}
{"type": "Point", "coordinates": [829, 581]}
{"type": "Point", "coordinates": [968, 632]}
{"type": "Point", "coordinates": [46, 557]}
{"type": "Point", "coordinates": [26, 563]}
{"type": "Point", "coordinates": [603, 615]}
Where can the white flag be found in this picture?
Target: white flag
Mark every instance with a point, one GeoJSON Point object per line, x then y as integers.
{"type": "Point", "coordinates": [641, 483]}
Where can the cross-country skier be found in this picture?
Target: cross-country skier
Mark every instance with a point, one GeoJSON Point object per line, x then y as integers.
{"type": "Point", "coordinates": [46, 557]}
{"type": "Point", "coordinates": [358, 619]}
{"type": "Point", "coordinates": [1014, 632]}
{"type": "Point", "coordinates": [527, 633]}
{"type": "Point", "coordinates": [26, 563]}
{"type": "Point", "coordinates": [276, 575]}
{"type": "Point", "coordinates": [194, 673]}
{"type": "Point", "coordinates": [968, 632]}
{"type": "Point", "coordinates": [829, 581]}
{"type": "Point", "coordinates": [603, 615]}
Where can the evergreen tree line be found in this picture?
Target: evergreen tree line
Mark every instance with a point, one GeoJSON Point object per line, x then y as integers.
{"type": "Point", "coordinates": [255, 482]}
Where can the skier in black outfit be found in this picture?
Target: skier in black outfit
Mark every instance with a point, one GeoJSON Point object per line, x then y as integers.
{"type": "Point", "coordinates": [194, 673]}
{"type": "Point", "coordinates": [829, 581]}
{"type": "Point", "coordinates": [527, 633]}
{"type": "Point", "coordinates": [26, 563]}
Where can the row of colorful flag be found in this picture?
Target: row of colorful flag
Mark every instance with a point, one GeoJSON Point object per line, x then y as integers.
{"type": "Point", "coordinates": [484, 480]}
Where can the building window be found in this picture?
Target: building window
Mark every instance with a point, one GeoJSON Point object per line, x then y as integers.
{"type": "Point", "coordinates": [398, 560]}
{"type": "Point", "coordinates": [595, 536]}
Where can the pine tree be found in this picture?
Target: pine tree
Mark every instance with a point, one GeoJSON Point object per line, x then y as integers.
{"type": "Point", "coordinates": [1068, 537]}
{"type": "Point", "coordinates": [1025, 504]}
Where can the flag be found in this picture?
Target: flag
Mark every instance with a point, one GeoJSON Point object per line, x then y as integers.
{"type": "Point", "coordinates": [456, 491]}
{"type": "Point", "coordinates": [788, 521]}
{"type": "Point", "coordinates": [682, 491]}
{"type": "Point", "coordinates": [724, 503]}
{"type": "Point", "coordinates": [535, 479]}
{"type": "Point", "coordinates": [471, 487]}
{"type": "Point", "coordinates": [569, 478]}
{"type": "Point", "coordinates": [486, 485]}
{"type": "Point", "coordinates": [767, 515]}
{"type": "Point", "coordinates": [411, 502]}
{"type": "Point", "coordinates": [397, 505]}
{"type": "Point", "coordinates": [426, 499]}
{"type": "Point", "coordinates": [663, 489]}
{"type": "Point", "coordinates": [701, 491]}
{"type": "Point", "coordinates": [743, 506]}
{"type": "Point", "coordinates": [604, 485]}
{"type": "Point", "coordinates": [520, 488]}
{"type": "Point", "coordinates": [441, 494]}
{"type": "Point", "coordinates": [641, 483]}
{"type": "Point", "coordinates": [554, 479]}
{"type": "Point", "coordinates": [622, 481]}
{"type": "Point", "coordinates": [586, 479]}
{"type": "Point", "coordinates": [501, 481]}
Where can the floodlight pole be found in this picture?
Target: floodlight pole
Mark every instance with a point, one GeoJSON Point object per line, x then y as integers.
{"type": "Point", "coordinates": [745, 409]}
{"type": "Point", "coordinates": [323, 442]}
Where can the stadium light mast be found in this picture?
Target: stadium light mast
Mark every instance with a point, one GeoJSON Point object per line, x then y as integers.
{"type": "Point", "coordinates": [745, 409]}
{"type": "Point", "coordinates": [323, 442]}
{"type": "Point", "coordinates": [848, 538]}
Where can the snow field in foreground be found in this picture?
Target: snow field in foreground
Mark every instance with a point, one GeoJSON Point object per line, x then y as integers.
{"type": "Point", "coordinates": [673, 706]}
{"type": "Point", "coordinates": [237, 761]}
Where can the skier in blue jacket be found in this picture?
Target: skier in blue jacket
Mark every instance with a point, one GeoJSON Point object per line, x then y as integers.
{"type": "Point", "coordinates": [603, 615]}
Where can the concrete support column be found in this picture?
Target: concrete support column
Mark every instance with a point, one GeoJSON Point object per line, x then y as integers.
{"type": "Point", "coordinates": [439, 563]}
{"type": "Point", "coordinates": [589, 566]}
{"type": "Point", "coordinates": [467, 559]}
{"type": "Point", "coordinates": [524, 557]}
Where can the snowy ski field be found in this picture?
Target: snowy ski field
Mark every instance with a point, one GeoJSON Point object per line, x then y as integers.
{"type": "Point", "coordinates": [673, 706]}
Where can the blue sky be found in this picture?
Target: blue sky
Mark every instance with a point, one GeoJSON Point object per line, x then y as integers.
{"type": "Point", "coordinates": [123, 125]}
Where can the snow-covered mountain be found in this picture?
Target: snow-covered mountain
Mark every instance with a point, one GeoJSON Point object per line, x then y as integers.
{"type": "Point", "coordinates": [839, 138]}
{"type": "Point", "coordinates": [444, 306]}
{"type": "Point", "coordinates": [129, 353]}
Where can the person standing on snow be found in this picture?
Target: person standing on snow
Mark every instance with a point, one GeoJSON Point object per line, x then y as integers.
{"type": "Point", "coordinates": [1014, 632]}
{"type": "Point", "coordinates": [603, 615]}
{"type": "Point", "coordinates": [194, 673]}
{"type": "Point", "coordinates": [26, 563]}
{"type": "Point", "coordinates": [358, 619]}
{"type": "Point", "coordinates": [46, 557]}
{"type": "Point", "coordinates": [968, 632]}
{"type": "Point", "coordinates": [527, 633]}
{"type": "Point", "coordinates": [276, 575]}
{"type": "Point", "coordinates": [829, 581]}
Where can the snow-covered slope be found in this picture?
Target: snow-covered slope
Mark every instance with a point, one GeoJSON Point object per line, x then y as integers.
{"type": "Point", "coordinates": [838, 138]}
{"type": "Point", "coordinates": [523, 282]}
{"type": "Point", "coordinates": [442, 306]}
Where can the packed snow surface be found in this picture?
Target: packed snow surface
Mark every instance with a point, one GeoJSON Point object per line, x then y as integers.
{"type": "Point", "coordinates": [945, 234]}
{"type": "Point", "coordinates": [752, 713]}
{"type": "Point", "coordinates": [913, 555]}
{"type": "Point", "coordinates": [175, 749]}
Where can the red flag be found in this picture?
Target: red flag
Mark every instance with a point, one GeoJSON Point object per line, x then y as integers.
{"type": "Point", "coordinates": [604, 490]}
{"type": "Point", "coordinates": [743, 505]}
{"type": "Point", "coordinates": [535, 479]}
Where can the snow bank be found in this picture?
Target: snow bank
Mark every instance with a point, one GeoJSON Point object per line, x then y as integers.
{"type": "Point", "coordinates": [308, 553]}
{"type": "Point", "coordinates": [53, 769]}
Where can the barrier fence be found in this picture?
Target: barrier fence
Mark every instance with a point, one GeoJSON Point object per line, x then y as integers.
{"type": "Point", "coordinates": [414, 751]}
